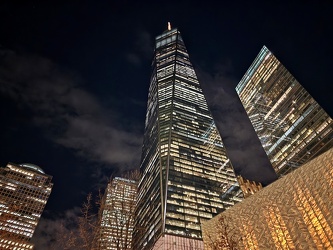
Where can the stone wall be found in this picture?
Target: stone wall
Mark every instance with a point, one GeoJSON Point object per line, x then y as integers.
{"type": "Point", "coordinates": [294, 212]}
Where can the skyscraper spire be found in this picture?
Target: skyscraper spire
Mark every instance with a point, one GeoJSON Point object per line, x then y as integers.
{"type": "Point", "coordinates": [169, 26]}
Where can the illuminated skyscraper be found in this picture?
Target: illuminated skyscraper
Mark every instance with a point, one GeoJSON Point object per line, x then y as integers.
{"type": "Point", "coordinates": [290, 124]}
{"type": "Point", "coordinates": [118, 214]}
{"type": "Point", "coordinates": [24, 191]}
{"type": "Point", "coordinates": [187, 177]}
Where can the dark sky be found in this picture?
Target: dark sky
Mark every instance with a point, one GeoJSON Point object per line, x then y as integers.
{"type": "Point", "coordinates": [74, 80]}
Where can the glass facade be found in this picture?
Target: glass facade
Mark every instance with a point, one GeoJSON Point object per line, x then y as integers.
{"type": "Point", "coordinates": [290, 124]}
{"type": "Point", "coordinates": [24, 191]}
{"type": "Point", "coordinates": [118, 214]}
{"type": "Point", "coordinates": [187, 177]}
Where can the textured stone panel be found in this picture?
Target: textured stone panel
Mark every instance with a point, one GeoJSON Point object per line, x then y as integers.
{"type": "Point", "coordinates": [295, 212]}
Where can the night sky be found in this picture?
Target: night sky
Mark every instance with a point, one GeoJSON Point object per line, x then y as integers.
{"type": "Point", "coordinates": [74, 81]}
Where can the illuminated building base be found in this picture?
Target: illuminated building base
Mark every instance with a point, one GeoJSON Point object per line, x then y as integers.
{"type": "Point", "coordinates": [295, 212]}
{"type": "Point", "coordinates": [14, 244]}
{"type": "Point", "coordinates": [172, 242]}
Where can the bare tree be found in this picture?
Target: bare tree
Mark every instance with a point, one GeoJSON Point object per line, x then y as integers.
{"type": "Point", "coordinates": [118, 212]}
{"type": "Point", "coordinates": [223, 238]}
{"type": "Point", "coordinates": [83, 235]}
{"type": "Point", "coordinates": [112, 225]}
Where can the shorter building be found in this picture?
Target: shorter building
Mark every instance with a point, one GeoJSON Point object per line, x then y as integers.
{"type": "Point", "coordinates": [248, 187]}
{"type": "Point", "coordinates": [117, 214]}
{"type": "Point", "coordinates": [295, 212]}
{"type": "Point", "coordinates": [24, 191]}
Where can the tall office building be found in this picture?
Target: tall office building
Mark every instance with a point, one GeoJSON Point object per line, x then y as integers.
{"type": "Point", "coordinates": [290, 124]}
{"type": "Point", "coordinates": [187, 178]}
{"type": "Point", "coordinates": [117, 215]}
{"type": "Point", "coordinates": [24, 191]}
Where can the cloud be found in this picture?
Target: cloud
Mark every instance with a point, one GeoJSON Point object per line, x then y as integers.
{"type": "Point", "coordinates": [94, 139]}
{"type": "Point", "coordinates": [242, 144]}
{"type": "Point", "coordinates": [49, 232]}
{"type": "Point", "coordinates": [142, 48]}
{"type": "Point", "coordinates": [134, 59]}
{"type": "Point", "coordinates": [68, 114]}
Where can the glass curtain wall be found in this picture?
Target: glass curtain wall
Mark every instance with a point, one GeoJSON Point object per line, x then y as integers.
{"type": "Point", "coordinates": [292, 127]}
{"type": "Point", "coordinates": [187, 177]}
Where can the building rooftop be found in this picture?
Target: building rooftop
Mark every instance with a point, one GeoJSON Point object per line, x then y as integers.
{"type": "Point", "coordinates": [31, 166]}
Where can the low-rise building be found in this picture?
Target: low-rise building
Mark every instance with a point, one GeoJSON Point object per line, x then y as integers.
{"type": "Point", "coordinates": [294, 212]}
